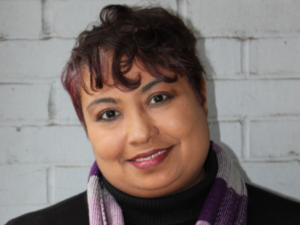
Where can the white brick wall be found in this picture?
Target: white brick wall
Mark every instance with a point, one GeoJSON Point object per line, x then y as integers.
{"type": "Point", "coordinates": [244, 19]}
{"type": "Point", "coordinates": [280, 177]}
{"type": "Point", "coordinates": [45, 144]}
{"type": "Point", "coordinates": [221, 56]}
{"type": "Point", "coordinates": [254, 97]}
{"type": "Point", "coordinates": [13, 178]}
{"type": "Point", "coordinates": [69, 181]}
{"type": "Point", "coordinates": [33, 58]}
{"type": "Point", "coordinates": [20, 24]}
{"type": "Point", "coordinates": [275, 147]}
{"type": "Point", "coordinates": [229, 135]}
{"type": "Point", "coordinates": [275, 56]}
{"type": "Point", "coordinates": [250, 49]}
{"type": "Point", "coordinates": [24, 101]}
{"type": "Point", "coordinates": [82, 13]}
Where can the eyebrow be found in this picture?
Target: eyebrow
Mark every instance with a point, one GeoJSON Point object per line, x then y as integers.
{"type": "Point", "coordinates": [112, 100]}
{"type": "Point", "coordinates": [100, 100]}
{"type": "Point", "coordinates": [150, 85]}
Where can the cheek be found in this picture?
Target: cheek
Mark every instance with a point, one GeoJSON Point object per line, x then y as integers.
{"type": "Point", "coordinates": [183, 121]}
{"type": "Point", "coordinates": [107, 145]}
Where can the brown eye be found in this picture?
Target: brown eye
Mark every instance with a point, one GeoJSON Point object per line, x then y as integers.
{"type": "Point", "coordinates": [109, 115]}
{"type": "Point", "coordinates": [158, 98]}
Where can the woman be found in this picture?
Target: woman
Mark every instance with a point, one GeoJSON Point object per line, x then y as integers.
{"type": "Point", "coordinates": [138, 89]}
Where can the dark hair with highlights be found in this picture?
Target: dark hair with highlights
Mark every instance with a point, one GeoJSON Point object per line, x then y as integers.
{"type": "Point", "coordinates": [153, 36]}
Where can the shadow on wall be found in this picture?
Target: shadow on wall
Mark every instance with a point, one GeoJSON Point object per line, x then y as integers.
{"type": "Point", "coordinates": [211, 99]}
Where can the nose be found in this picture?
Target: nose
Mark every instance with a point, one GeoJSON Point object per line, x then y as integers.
{"type": "Point", "coordinates": [141, 128]}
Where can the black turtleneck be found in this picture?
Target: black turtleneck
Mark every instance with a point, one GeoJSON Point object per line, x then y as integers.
{"type": "Point", "coordinates": [183, 208]}
{"type": "Point", "coordinates": [180, 209]}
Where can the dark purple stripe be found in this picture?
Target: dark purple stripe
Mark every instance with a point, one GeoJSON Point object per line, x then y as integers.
{"type": "Point", "coordinates": [94, 170]}
{"type": "Point", "coordinates": [229, 208]}
{"type": "Point", "coordinates": [213, 201]}
{"type": "Point", "coordinates": [224, 206]}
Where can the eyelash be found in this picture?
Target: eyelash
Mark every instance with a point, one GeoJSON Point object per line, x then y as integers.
{"type": "Point", "coordinates": [166, 97]}
{"type": "Point", "coordinates": [100, 117]}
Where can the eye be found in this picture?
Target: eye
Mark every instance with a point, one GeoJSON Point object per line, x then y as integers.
{"type": "Point", "coordinates": [108, 115]}
{"type": "Point", "coordinates": [158, 98]}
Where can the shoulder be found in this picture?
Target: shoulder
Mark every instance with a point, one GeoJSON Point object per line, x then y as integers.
{"type": "Point", "coordinates": [267, 208]}
{"type": "Point", "coordinates": [70, 211]}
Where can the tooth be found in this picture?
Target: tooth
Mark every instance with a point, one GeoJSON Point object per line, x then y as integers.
{"type": "Point", "coordinates": [154, 155]}
{"type": "Point", "coordinates": [151, 157]}
{"type": "Point", "coordinates": [161, 152]}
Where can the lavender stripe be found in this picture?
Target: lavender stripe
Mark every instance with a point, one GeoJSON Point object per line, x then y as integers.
{"type": "Point", "coordinates": [216, 148]}
{"type": "Point", "coordinates": [242, 213]}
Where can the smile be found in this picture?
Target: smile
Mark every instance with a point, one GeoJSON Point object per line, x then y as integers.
{"type": "Point", "coordinates": [150, 159]}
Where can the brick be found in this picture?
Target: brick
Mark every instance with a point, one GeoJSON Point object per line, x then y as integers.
{"type": "Point", "coordinates": [82, 13]}
{"type": "Point", "coordinates": [253, 97]}
{"type": "Point", "coordinates": [250, 18]}
{"type": "Point", "coordinates": [34, 59]}
{"type": "Point", "coordinates": [23, 184]}
{"type": "Point", "coordinates": [20, 19]}
{"type": "Point", "coordinates": [275, 56]}
{"type": "Point", "coordinates": [282, 178]}
{"type": "Point", "coordinates": [220, 57]}
{"type": "Point", "coordinates": [70, 181]}
{"type": "Point", "coordinates": [9, 212]}
{"type": "Point", "coordinates": [61, 144]}
{"type": "Point", "coordinates": [228, 135]}
{"type": "Point", "coordinates": [275, 138]}
{"type": "Point", "coordinates": [24, 102]}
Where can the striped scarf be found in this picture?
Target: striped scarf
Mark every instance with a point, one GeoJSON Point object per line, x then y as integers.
{"type": "Point", "coordinates": [226, 202]}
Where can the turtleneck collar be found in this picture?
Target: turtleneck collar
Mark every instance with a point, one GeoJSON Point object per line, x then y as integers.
{"type": "Point", "coordinates": [180, 209]}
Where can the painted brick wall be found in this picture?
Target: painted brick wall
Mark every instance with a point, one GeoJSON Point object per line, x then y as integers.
{"type": "Point", "coordinates": [251, 51]}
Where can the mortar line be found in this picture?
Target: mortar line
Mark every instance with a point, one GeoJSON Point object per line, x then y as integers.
{"type": "Point", "coordinates": [245, 57]}
{"type": "Point", "coordinates": [181, 9]}
{"type": "Point", "coordinates": [50, 184]}
{"type": "Point", "coordinates": [246, 138]}
{"type": "Point", "coordinates": [52, 104]}
{"type": "Point", "coordinates": [47, 18]}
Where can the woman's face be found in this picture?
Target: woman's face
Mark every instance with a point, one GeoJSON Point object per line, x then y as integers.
{"type": "Point", "coordinates": [148, 142]}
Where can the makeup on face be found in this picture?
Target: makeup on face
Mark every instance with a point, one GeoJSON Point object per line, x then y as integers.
{"type": "Point", "coordinates": [150, 159]}
{"type": "Point", "coordinates": [151, 141]}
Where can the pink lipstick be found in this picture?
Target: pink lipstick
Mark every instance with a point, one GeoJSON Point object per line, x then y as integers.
{"type": "Point", "coordinates": [150, 158]}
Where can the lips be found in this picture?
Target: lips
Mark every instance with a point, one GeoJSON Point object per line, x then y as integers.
{"type": "Point", "coordinates": [150, 158]}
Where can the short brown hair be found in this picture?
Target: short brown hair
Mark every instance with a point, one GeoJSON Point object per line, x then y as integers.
{"type": "Point", "coordinates": [152, 35]}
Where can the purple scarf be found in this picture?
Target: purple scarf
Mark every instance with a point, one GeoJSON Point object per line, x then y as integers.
{"type": "Point", "coordinates": [226, 202]}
